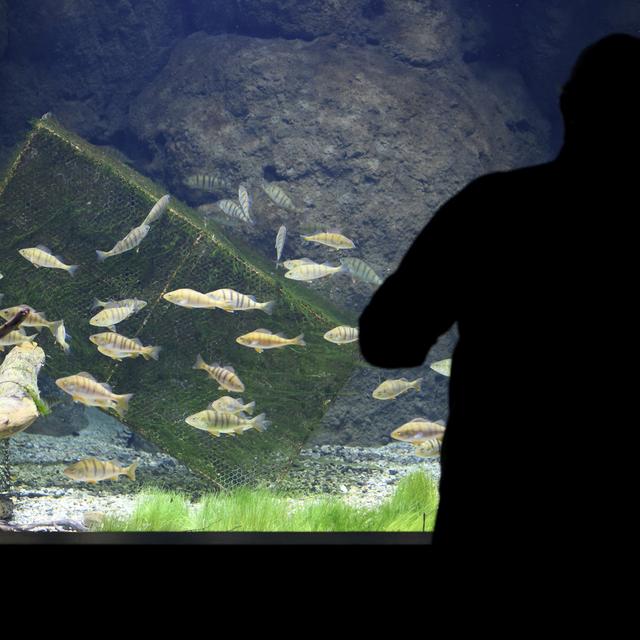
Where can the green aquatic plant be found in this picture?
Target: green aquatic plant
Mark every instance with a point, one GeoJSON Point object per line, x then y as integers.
{"type": "Point", "coordinates": [42, 407]}
{"type": "Point", "coordinates": [411, 508]}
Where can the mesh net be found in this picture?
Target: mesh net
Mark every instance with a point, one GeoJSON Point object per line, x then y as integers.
{"type": "Point", "coordinates": [70, 196]}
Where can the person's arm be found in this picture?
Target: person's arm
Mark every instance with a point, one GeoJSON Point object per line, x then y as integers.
{"type": "Point", "coordinates": [417, 303]}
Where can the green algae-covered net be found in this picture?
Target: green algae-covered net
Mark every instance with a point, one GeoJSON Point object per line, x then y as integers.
{"type": "Point", "coordinates": [70, 196]}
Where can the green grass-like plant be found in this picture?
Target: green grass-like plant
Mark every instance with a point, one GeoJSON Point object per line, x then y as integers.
{"type": "Point", "coordinates": [411, 508]}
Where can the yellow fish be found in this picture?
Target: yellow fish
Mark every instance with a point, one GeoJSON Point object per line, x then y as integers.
{"type": "Point", "coordinates": [117, 347]}
{"type": "Point", "coordinates": [234, 301]}
{"type": "Point", "coordinates": [34, 319]}
{"type": "Point", "coordinates": [84, 388]}
{"type": "Point", "coordinates": [111, 316]}
{"type": "Point", "coordinates": [217, 422]}
{"type": "Point", "coordinates": [261, 339]}
{"type": "Point", "coordinates": [41, 256]}
{"type": "Point", "coordinates": [157, 210]}
{"type": "Point", "coordinates": [92, 470]}
{"type": "Point", "coordinates": [298, 262]}
{"type": "Point", "coordinates": [428, 449]}
{"type": "Point", "coordinates": [226, 377]}
{"type": "Point", "coordinates": [278, 196]}
{"type": "Point", "coordinates": [443, 367]}
{"type": "Point", "coordinates": [329, 239]}
{"type": "Point", "coordinates": [391, 389]}
{"type": "Point", "coordinates": [342, 335]}
{"type": "Point", "coordinates": [418, 431]}
{"type": "Point", "coordinates": [209, 183]}
{"type": "Point", "coordinates": [15, 337]}
{"type": "Point", "coordinates": [130, 241]}
{"type": "Point", "coordinates": [133, 303]}
{"type": "Point", "coordinates": [281, 236]}
{"type": "Point", "coordinates": [306, 272]}
{"type": "Point", "coordinates": [245, 203]}
{"type": "Point", "coordinates": [227, 404]}
{"type": "Point", "coordinates": [191, 299]}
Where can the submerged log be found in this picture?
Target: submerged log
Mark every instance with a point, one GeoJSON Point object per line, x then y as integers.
{"type": "Point", "coordinates": [19, 388]}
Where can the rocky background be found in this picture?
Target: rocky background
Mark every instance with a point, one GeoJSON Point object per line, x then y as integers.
{"type": "Point", "coordinates": [369, 113]}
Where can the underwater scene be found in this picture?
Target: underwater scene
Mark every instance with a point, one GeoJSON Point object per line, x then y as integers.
{"type": "Point", "coordinates": [197, 201]}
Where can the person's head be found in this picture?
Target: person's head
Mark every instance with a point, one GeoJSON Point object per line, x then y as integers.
{"type": "Point", "coordinates": [600, 102]}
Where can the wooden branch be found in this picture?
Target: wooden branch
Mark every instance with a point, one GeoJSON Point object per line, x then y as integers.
{"type": "Point", "coordinates": [56, 524]}
{"type": "Point", "coordinates": [19, 388]}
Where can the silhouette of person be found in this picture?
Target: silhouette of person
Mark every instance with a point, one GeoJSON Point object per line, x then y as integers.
{"type": "Point", "coordinates": [535, 266]}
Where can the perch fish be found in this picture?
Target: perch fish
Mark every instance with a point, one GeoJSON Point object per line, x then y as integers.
{"type": "Point", "coordinates": [191, 299]}
{"type": "Point", "coordinates": [281, 237]}
{"type": "Point", "coordinates": [110, 316]}
{"type": "Point", "coordinates": [245, 203]}
{"type": "Point", "coordinates": [41, 256]}
{"type": "Point", "coordinates": [93, 470]}
{"type": "Point", "coordinates": [84, 388]}
{"type": "Point", "coordinates": [261, 339]}
{"type": "Point", "coordinates": [115, 346]}
{"type": "Point", "coordinates": [428, 449]}
{"type": "Point", "coordinates": [306, 272]}
{"type": "Point", "coordinates": [231, 301]}
{"type": "Point", "coordinates": [157, 210]}
{"type": "Point", "coordinates": [227, 404]}
{"type": "Point", "coordinates": [217, 422]}
{"type": "Point", "coordinates": [391, 389]}
{"type": "Point", "coordinates": [132, 303]}
{"type": "Point", "coordinates": [130, 241]}
{"type": "Point", "coordinates": [360, 270]}
{"type": "Point", "coordinates": [418, 431]}
{"type": "Point", "coordinates": [342, 335]}
{"type": "Point", "coordinates": [330, 239]}
{"type": "Point", "coordinates": [206, 182]}
{"type": "Point", "coordinates": [279, 197]}
{"type": "Point", "coordinates": [226, 377]}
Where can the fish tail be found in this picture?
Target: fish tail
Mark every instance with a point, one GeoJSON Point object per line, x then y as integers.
{"type": "Point", "coordinates": [267, 307]}
{"type": "Point", "coordinates": [96, 303]}
{"type": "Point", "coordinates": [260, 422]}
{"type": "Point", "coordinates": [131, 470]}
{"type": "Point", "coordinates": [55, 326]}
{"type": "Point", "coordinates": [299, 340]}
{"type": "Point", "coordinates": [199, 362]}
{"type": "Point", "coordinates": [72, 269]}
{"type": "Point", "coordinates": [249, 408]}
{"type": "Point", "coordinates": [122, 403]}
{"type": "Point", "coordinates": [151, 352]}
{"type": "Point", "coordinates": [102, 255]}
{"type": "Point", "coordinates": [417, 384]}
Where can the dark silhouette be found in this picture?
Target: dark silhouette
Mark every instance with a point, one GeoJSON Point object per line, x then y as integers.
{"type": "Point", "coordinates": [535, 266]}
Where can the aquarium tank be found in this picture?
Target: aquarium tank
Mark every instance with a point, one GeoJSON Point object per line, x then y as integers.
{"type": "Point", "coordinates": [197, 200]}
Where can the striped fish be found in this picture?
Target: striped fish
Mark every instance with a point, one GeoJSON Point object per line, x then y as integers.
{"type": "Point", "coordinates": [312, 271]}
{"type": "Point", "coordinates": [34, 319]}
{"type": "Point", "coordinates": [261, 339]}
{"type": "Point", "coordinates": [428, 449]}
{"type": "Point", "coordinates": [231, 301]}
{"type": "Point", "coordinates": [191, 299]}
{"type": "Point", "coordinates": [443, 367]}
{"type": "Point", "coordinates": [133, 303]}
{"type": "Point", "coordinates": [207, 182]}
{"type": "Point", "coordinates": [330, 239]}
{"type": "Point", "coordinates": [391, 389]}
{"type": "Point", "coordinates": [278, 196]}
{"type": "Point", "coordinates": [158, 209]}
{"type": "Point", "coordinates": [233, 210]}
{"type": "Point", "coordinates": [93, 470]}
{"type": "Point", "coordinates": [298, 262]}
{"type": "Point", "coordinates": [84, 388]}
{"type": "Point", "coordinates": [41, 256]}
{"type": "Point", "coordinates": [111, 316]}
{"type": "Point", "coordinates": [360, 270]}
{"type": "Point", "coordinates": [61, 336]}
{"type": "Point", "coordinates": [245, 203]}
{"type": "Point", "coordinates": [217, 422]}
{"type": "Point", "coordinates": [418, 431]}
{"type": "Point", "coordinates": [115, 346]}
{"type": "Point", "coordinates": [280, 240]}
{"type": "Point", "coordinates": [232, 405]}
{"type": "Point", "coordinates": [130, 241]}
{"type": "Point", "coordinates": [15, 337]}
{"type": "Point", "coordinates": [342, 335]}
{"type": "Point", "coordinates": [226, 377]}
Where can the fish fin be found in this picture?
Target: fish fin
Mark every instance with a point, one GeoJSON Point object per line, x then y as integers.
{"type": "Point", "coordinates": [299, 340]}
{"type": "Point", "coordinates": [229, 368]}
{"type": "Point", "coordinates": [258, 350]}
{"type": "Point", "coordinates": [112, 328]}
{"type": "Point", "coordinates": [263, 330]}
{"type": "Point", "coordinates": [84, 374]}
{"type": "Point", "coordinates": [417, 384]}
{"type": "Point", "coordinates": [106, 385]}
{"type": "Point", "coordinates": [131, 470]}
{"type": "Point", "coordinates": [221, 389]}
{"type": "Point", "coordinates": [137, 341]}
{"type": "Point", "coordinates": [260, 422]}
{"type": "Point", "coordinates": [97, 303]}
{"type": "Point", "coordinates": [441, 422]}
{"type": "Point", "coordinates": [45, 249]}
{"type": "Point", "coordinates": [72, 268]}
{"type": "Point", "coordinates": [122, 402]}
{"type": "Point", "coordinates": [417, 420]}
{"type": "Point", "coordinates": [199, 362]}
{"type": "Point", "coordinates": [249, 408]}
{"type": "Point", "coordinates": [102, 255]}
{"type": "Point", "coordinates": [267, 307]}
{"type": "Point", "coordinates": [152, 352]}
